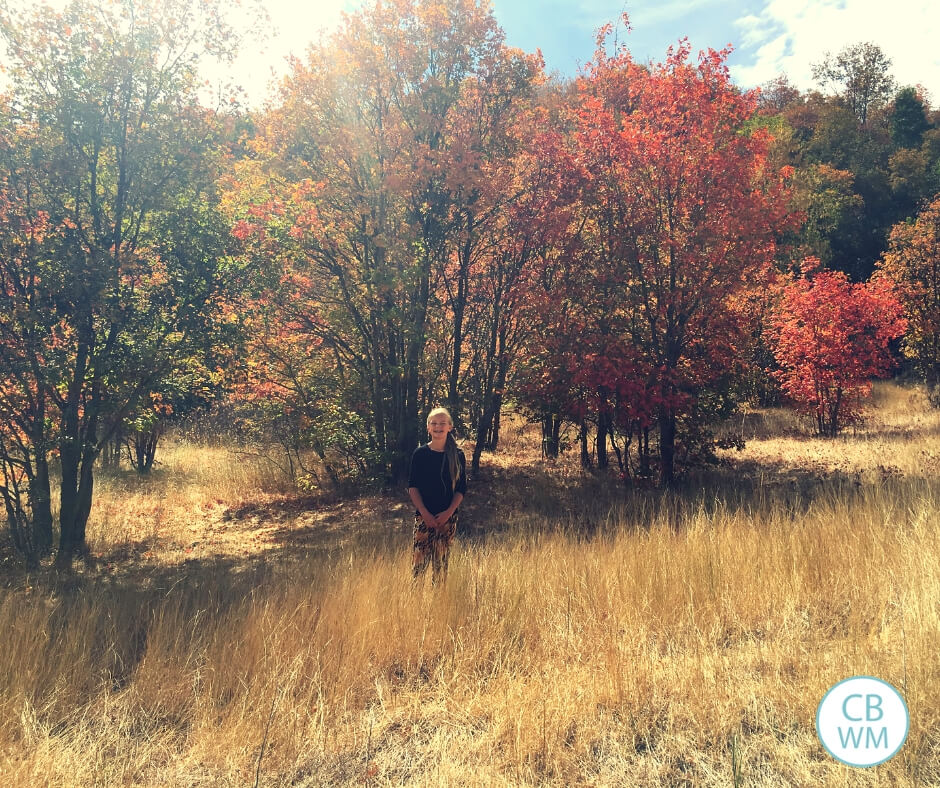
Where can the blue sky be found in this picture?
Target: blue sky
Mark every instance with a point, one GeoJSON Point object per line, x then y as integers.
{"type": "Point", "coordinates": [565, 29]}
{"type": "Point", "coordinates": [769, 37]}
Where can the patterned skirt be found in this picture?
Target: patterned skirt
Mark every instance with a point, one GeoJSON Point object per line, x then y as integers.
{"type": "Point", "coordinates": [432, 546]}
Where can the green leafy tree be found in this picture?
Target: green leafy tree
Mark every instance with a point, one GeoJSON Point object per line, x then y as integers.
{"type": "Point", "coordinates": [861, 73]}
{"type": "Point", "coordinates": [911, 180]}
{"type": "Point", "coordinates": [189, 387]}
{"type": "Point", "coordinates": [827, 133]}
{"type": "Point", "coordinates": [908, 119]}
{"type": "Point", "coordinates": [109, 168]}
{"type": "Point", "coordinates": [930, 148]}
{"type": "Point", "coordinates": [834, 212]}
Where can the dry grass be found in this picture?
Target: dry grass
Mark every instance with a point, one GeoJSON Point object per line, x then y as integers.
{"type": "Point", "coordinates": [900, 437]}
{"type": "Point", "coordinates": [587, 634]}
{"type": "Point", "coordinates": [179, 506]}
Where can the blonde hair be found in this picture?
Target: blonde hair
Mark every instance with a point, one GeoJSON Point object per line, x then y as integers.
{"type": "Point", "coordinates": [450, 446]}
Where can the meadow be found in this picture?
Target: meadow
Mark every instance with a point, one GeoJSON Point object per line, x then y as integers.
{"type": "Point", "coordinates": [230, 631]}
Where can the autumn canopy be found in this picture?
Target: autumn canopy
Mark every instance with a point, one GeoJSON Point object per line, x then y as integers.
{"type": "Point", "coordinates": [419, 216]}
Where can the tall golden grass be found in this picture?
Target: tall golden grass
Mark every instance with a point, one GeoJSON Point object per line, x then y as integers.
{"type": "Point", "coordinates": [586, 635]}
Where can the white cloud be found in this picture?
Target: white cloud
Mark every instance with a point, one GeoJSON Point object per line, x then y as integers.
{"type": "Point", "coordinates": [790, 35]}
{"type": "Point", "coordinates": [753, 30]}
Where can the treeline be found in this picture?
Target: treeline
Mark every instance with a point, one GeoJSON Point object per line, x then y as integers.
{"type": "Point", "coordinates": [422, 216]}
{"type": "Point", "coordinates": [866, 155]}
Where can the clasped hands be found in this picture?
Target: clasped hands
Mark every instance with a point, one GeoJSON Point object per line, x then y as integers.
{"type": "Point", "coordinates": [436, 520]}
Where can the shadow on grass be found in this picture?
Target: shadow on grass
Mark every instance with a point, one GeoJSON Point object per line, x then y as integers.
{"type": "Point", "coordinates": [119, 601]}
{"type": "Point", "coordinates": [158, 476]}
{"type": "Point", "coordinates": [91, 629]}
{"type": "Point", "coordinates": [503, 501]}
{"type": "Point", "coordinates": [588, 503]}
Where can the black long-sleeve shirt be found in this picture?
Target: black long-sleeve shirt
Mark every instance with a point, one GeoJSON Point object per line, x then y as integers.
{"type": "Point", "coordinates": [430, 475]}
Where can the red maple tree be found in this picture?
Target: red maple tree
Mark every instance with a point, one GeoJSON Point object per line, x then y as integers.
{"type": "Point", "coordinates": [830, 338]}
{"type": "Point", "coordinates": [677, 211]}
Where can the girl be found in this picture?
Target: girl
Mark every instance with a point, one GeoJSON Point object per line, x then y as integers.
{"type": "Point", "coordinates": [437, 484]}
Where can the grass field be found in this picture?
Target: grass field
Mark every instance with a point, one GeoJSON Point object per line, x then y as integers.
{"type": "Point", "coordinates": [231, 633]}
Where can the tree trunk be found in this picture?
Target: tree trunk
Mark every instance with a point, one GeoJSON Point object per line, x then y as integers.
{"type": "Point", "coordinates": [551, 429]}
{"type": "Point", "coordinates": [40, 494]}
{"type": "Point", "coordinates": [488, 414]}
{"type": "Point", "coordinates": [69, 454]}
{"type": "Point", "coordinates": [71, 527]}
{"type": "Point", "coordinates": [585, 454]}
{"type": "Point", "coordinates": [86, 487]}
{"type": "Point", "coordinates": [459, 306]}
{"type": "Point", "coordinates": [499, 387]}
{"type": "Point", "coordinates": [78, 451]}
{"type": "Point", "coordinates": [21, 529]}
{"type": "Point", "coordinates": [667, 447]}
{"type": "Point", "coordinates": [40, 497]}
{"type": "Point", "coordinates": [409, 427]}
{"type": "Point", "coordinates": [20, 532]}
{"type": "Point", "coordinates": [145, 449]}
{"type": "Point", "coordinates": [643, 451]}
{"type": "Point", "coordinates": [111, 453]}
{"type": "Point", "coordinates": [77, 489]}
{"type": "Point", "coordinates": [484, 426]}
{"type": "Point", "coordinates": [25, 490]}
{"type": "Point", "coordinates": [409, 421]}
{"type": "Point", "coordinates": [623, 458]}
{"type": "Point", "coordinates": [492, 440]}
{"type": "Point", "coordinates": [601, 440]}
{"type": "Point", "coordinates": [487, 434]}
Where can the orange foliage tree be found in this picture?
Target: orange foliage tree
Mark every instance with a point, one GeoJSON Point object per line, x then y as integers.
{"type": "Point", "coordinates": [912, 263]}
{"type": "Point", "coordinates": [375, 191]}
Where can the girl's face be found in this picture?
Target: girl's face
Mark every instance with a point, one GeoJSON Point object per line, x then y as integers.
{"type": "Point", "coordinates": [438, 426]}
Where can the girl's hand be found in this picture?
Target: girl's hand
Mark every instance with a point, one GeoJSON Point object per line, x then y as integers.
{"type": "Point", "coordinates": [443, 517]}
{"type": "Point", "coordinates": [429, 519]}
